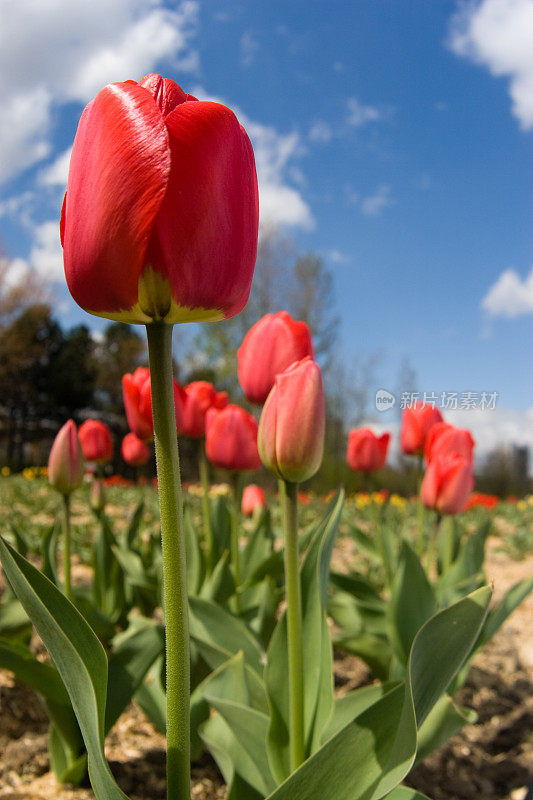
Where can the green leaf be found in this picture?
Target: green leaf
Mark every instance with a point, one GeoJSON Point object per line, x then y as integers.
{"type": "Point", "coordinates": [259, 546]}
{"type": "Point", "coordinates": [135, 524]}
{"type": "Point", "coordinates": [351, 705]}
{"type": "Point", "coordinates": [412, 602]}
{"type": "Point", "coordinates": [133, 653]}
{"type": "Point", "coordinates": [195, 566]}
{"type": "Point", "coordinates": [49, 553]}
{"type": "Point", "coordinates": [220, 585]}
{"type": "Point", "coordinates": [378, 747]}
{"type": "Point", "coordinates": [151, 696]}
{"type": "Point", "coordinates": [373, 650]}
{"type": "Point", "coordinates": [405, 793]}
{"type": "Point", "coordinates": [78, 655]}
{"type": "Point", "coordinates": [14, 622]}
{"type": "Point", "coordinates": [219, 635]}
{"type": "Point", "coordinates": [443, 721]}
{"type": "Point", "coordinates": [502, 610]}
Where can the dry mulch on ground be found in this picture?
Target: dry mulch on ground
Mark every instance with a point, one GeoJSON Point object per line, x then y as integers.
{"type": "Point", "coordinates": [491, 759]}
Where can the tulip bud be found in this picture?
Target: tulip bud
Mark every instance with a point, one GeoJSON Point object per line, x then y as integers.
{"type": "Point", "coordinates": [417, 420]}
{"type": "Point", "coordinates": [231, 439]}
{"type": "Point", "coordinates": [269, 347]}
{"type": "Point", "coordinates": [444, 438]}
{"type": "Point", "coordinates": [291, 428]}
{"type": "Point", "coordinates": [161, 212]}
{"type": "Point", "coordinates": [253, 497]}
{"type": "Point", "coordinates": [66, 465]}
{"type": "Point", "coordinates": [447, 483]}
{"type": "Point", "coordinates": [366, 451]}
{"type": "Point", "coordinates": [134, 451]}
{"type": "Point", "coordinates": [97, 496]}
{"type": "Point", "coordinates": [95, 440]}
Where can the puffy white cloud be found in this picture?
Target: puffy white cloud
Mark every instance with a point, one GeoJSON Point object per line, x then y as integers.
{"type": "Point", "coordinates": [320, 132]}
{"type": "Point", "coordinates": [56, 173]}
{"type": "Point", "coordinates": [510, 296]}
{"type": "Point", "coordinates": [66, 50]}
{"type": "Point", "coordinates": [45, 258]}
{"type": "Point", "coordinates": [500, 426]}
{"type": "Point", "coordinates": [249, 47]}
{"type": "Point", "coordinates": [498, 34]}
{"type": "Point", "coordinates": [374, 204]}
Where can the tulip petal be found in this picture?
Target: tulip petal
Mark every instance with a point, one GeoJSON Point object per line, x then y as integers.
{"type": "Point", "coordinates": [118, 176]}
{"type": "Point", "coordinates": [206, 229]}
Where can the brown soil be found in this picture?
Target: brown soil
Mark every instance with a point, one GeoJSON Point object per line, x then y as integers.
{"type": "Point", "coordinates": [491, 759]}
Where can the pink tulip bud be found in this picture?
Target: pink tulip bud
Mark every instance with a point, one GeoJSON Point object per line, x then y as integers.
{"type": "Point", "coordinates": [366, 451]}
{"type": "Point", "coordinates": [97, 496]}
{"type": "Point", "coordinates": [291, 428]}
{"type": "Point", "coordinates": [253, 497]}
{"type": "Point", "coordinates": [66, 465]}
{"type": "Point", "coordinates": [447, 483]}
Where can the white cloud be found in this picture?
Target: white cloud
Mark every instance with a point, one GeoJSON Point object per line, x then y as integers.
{"type": "Point", "coordinates": [56, 173]}
{"type": "Point", "coordinates": [320, 132]}
{"type": "Point", "coordinates": [66, 50]}
{"type": "Point", "coordinates": [498, 34]}
{"type": "Point", "coordinates": [510, 296]}
{"type": "Point", "coordinates": [374, 204]}
{"type": "Point", "coordinates": [361, 115]}
{"type": "Point", "coordinates": [249, 47]}
{"type": "Point", "coordinates": [490, 429]}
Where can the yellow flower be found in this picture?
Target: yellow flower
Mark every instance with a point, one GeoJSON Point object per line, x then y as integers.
{"type": "Point", "coordinates": [6, 471]}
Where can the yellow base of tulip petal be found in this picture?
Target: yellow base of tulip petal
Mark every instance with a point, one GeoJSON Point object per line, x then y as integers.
{"type": "Point", "coordinates": [155, 304]}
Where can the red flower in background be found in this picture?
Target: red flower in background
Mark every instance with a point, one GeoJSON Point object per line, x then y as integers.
{"type": "Point", "coordinates": [269, 347]}
{"type": "Point", "coordinates": [199, 397]}
{"type": "Point", "coordinates": [96, 442]}
{"type": "Point", "coordinates": [444, 438]}
{"type": "Point", "coordinates": [252, 497]}
{"type": "Point", "coordinates": [417, 421]}
{"type": "Point", "coordinates": [137, 393]}
{"type": "Point", "coordinates": [161, 212]}
{"type": "Point", "coordinates": [231, 439]}
{"type": "Point", "coordinates": [134, 451]}
{"type": "Point", "coordinates": [447, 483]}
{"type": "Point", "coordinates": [366, 451]}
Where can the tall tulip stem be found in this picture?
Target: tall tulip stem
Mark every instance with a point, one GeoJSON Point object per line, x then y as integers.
{"type": "Point", "coordinates": [174, 563]}
{"type": "Point", "coordinates": [66, 546]}
{"type": "Point", "coordinates": [294, 624]}
{"type": "Point", "coordinates": [203, 469]}
{"type": "Point", "coordinates": [236, 479]}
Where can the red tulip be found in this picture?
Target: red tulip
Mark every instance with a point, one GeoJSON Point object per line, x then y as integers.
{"type": "Point", "coordinates": [447, 483]}
{"type": "Point", "coordinates": [416, 423]}
{"type": "Point", "coordinates": [269, 347]}
{"type": "Point", "coordinates": [199, 397]}
{"type": "Point", "coordinates": [95, 440]}
{"type": "Point", "coordinates": [134, 450]}
{"type": "Point", "coordinates": [253, 497]}
{"type": "Point", "coordinates": [366, 451]}
{"type": "Point", "coordinates": [66, 466]}
{"type": "Point", "coordinates": [231, 439]}
{"type": "Point", "coordinates": [444, 438]}
{"type": "Point", "coordinates": [291, 428]}
{"type": "Point", "coordinates": [160, 216]}
{"type": "Point", "coordinates": [136, 390]}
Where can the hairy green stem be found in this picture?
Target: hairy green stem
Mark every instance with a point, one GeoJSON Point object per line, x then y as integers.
{"type": "Point", "coordinates": [203, 469]}
{"type": "Point", "coordinates": [66, 546]}
{"type": "Point", "coordinates": [236, 483]}
{"type": "Point", "coordinates": [174, 562]}
{"type": "Point", "coordinates": [294, 625]}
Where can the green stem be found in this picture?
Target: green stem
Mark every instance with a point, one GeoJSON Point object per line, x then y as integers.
{"type": "Point", "coordinates": [381, 543]}
{"type": "Point", "coordinates": [432, 546]}
{"type": "Point", "coordinates": [174, 563]}
{"type": "Point", "coordinates": [294, 624]}
{"type": "Point", "coordinates": [421, 537]}
{"type": "Point", "coordinates": [203, 469]}
{"type": "Point", "coordinates": [236, 481]}
{"type": "Point", "coordinates": [66, 546]}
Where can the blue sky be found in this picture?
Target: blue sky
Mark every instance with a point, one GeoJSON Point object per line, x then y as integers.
{"type": "Point", "coordinates": [392, 137]}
